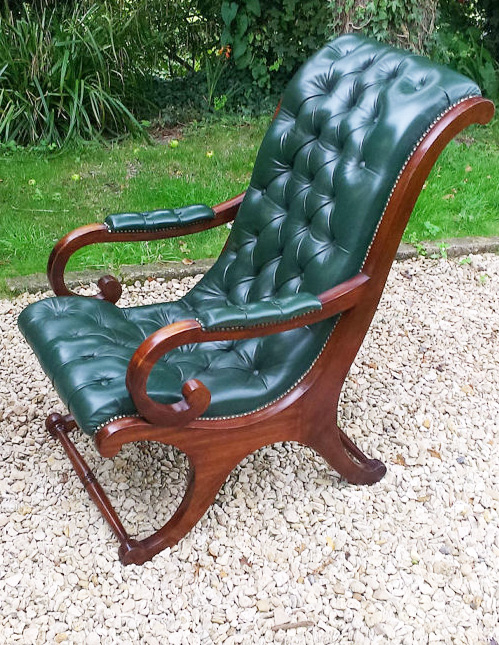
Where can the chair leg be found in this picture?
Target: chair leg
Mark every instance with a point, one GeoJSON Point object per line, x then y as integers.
{"type": "Point", "coordinates": [207, 473]}
{"type": "Point", "coordinates": [210, 465]}
{"type": "Point", "coordinates": [344, 456]}
{"type": "Point", "coordinates": [59, 426]}
{"type": "Point", "coordinates": [202, 488]}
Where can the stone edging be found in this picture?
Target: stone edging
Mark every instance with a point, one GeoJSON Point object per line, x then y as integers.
{"type": "Point", "coordinates": [128, 274]}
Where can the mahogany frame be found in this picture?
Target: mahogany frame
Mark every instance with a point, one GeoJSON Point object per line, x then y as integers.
{"type": "Point", "coordinates": [306, 414]}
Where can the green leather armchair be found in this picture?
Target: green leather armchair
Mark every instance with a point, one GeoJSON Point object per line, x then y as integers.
{"type": "Point", "coordinates": [258, 351]}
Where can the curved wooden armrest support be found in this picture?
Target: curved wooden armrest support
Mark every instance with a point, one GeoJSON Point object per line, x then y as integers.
{"type": "Point", "coordinates": [109, 286]}
{"type": "Point", "coordinates": [196, 396]}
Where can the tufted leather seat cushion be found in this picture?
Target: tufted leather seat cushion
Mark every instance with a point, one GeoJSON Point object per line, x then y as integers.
{"type": "Point", "coordinates": [348, 122]}
{"type": "Point", "coordinates": [85, 346]}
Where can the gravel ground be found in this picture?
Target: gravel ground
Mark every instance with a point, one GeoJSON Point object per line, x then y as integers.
{"type": "Point", "coordinates": [413, 559]}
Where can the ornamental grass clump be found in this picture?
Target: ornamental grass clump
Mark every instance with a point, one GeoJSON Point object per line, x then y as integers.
{"type": "Point", "coordinates": [64, 75]}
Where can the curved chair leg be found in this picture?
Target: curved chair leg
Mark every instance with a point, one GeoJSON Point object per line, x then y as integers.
{"type": "Point", "coordinates": [344, 456]}
{"type": "Point", "coordinates": [210, 465]}
{"type": "Point", "coordinates": [207, 473]}
{"type": "Point", "coordinates": [202, 488]}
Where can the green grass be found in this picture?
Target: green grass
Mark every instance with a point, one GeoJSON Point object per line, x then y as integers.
{"type": "Point", "coordinates": [43, 196]}
{"type": "Point", "coordinates": [461, 196]}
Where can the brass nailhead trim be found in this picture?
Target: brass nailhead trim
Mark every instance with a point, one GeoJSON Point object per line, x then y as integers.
{"type": "Point", "coordinates": [432, 124]}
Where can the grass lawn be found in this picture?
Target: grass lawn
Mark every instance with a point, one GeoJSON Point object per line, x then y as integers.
{"type": "Point", "coordinates": [43, 195]}
{"type": "Point", "coordinates": [461, 196]}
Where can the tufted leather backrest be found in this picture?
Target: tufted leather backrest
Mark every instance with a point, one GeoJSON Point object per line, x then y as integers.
{"type": "Point", "coordinates": [348, 122]}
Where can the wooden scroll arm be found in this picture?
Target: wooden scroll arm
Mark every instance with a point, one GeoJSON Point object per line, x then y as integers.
{"type": "Point", "coordinates": [109, 287]}
{"type": "Point", "coordinates": [196, 396]}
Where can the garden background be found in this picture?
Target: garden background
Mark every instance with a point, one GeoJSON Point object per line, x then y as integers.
{"type": "Point", "coordinates": [112, 106]}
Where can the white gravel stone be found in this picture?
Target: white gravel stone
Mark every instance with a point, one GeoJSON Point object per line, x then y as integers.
{"type": "Point", "coordinates": [291, 516]}
{"type": "Point", "coordinates": [410, 560]}
{"type": "Point", "coordinates": [263, 605]}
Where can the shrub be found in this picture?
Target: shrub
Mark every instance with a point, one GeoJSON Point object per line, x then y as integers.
{"type": "Point", "coordinates": [266, 42]}
{"type": "Point", "coordinates": [467, 40]}
{"type": "Point", "coordinates": [489, 10]}
{"type": "Point", "coordinates": [459, 15]}
{"type": "Point", "coordinates": [63, 76]}
{"type": "Point", "coordinates": [465, 51]}
{"type": "Point", "coordinates": [268, 39]}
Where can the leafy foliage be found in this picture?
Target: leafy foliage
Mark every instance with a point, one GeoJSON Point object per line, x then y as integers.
{"type": "Point", "coordinates": [466, 52]}
{"type": "Point", "coordinates": [272, 38]}
{"type": "Point", "coordinates": [406, 23]}
{"type": "Point", "coordinates": [490, 14]}
{"type": "Point", "coordinates": [459, 15]}
{"type": "Point", "coordinates": [467, 38]}
{"type": "Point", "coordinates": [63, 77]}
{"type": "Point", "coordinates": [79, 69]}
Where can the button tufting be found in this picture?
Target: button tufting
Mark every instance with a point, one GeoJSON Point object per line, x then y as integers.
{"type": "Point", "coordinates": [420, 85]}
{"type": "Point", "coordinates": [330, 84]}
{"type": "Point", "coordinates": [284, 249]}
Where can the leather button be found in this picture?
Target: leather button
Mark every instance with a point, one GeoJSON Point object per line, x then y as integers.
{"type": "Point", "coordinates": [330, 85]}
{"type": "Point", "coordinates": [362, 164]}
{"type": "Point", "coordinates": [420, 85]}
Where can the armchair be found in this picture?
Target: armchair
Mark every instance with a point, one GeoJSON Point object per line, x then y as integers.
{"type": "Point", "coordinates": [257, 352]}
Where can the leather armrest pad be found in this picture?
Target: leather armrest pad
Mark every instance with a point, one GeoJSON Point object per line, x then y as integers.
{"type": "Point", "coordinates": [255, 314]}
{"type": "Point", "coordinates": [158, 220]}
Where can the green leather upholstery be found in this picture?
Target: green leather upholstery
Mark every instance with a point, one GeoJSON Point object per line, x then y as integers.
{"type": "Point", "coordinates": [85, 346]}
{"type": "Point", "coordinates": [348, 122]}
{"type": "Point", "coordinates": [265, 312]}
{"type": "Point", "coordinates": [158, 220]}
